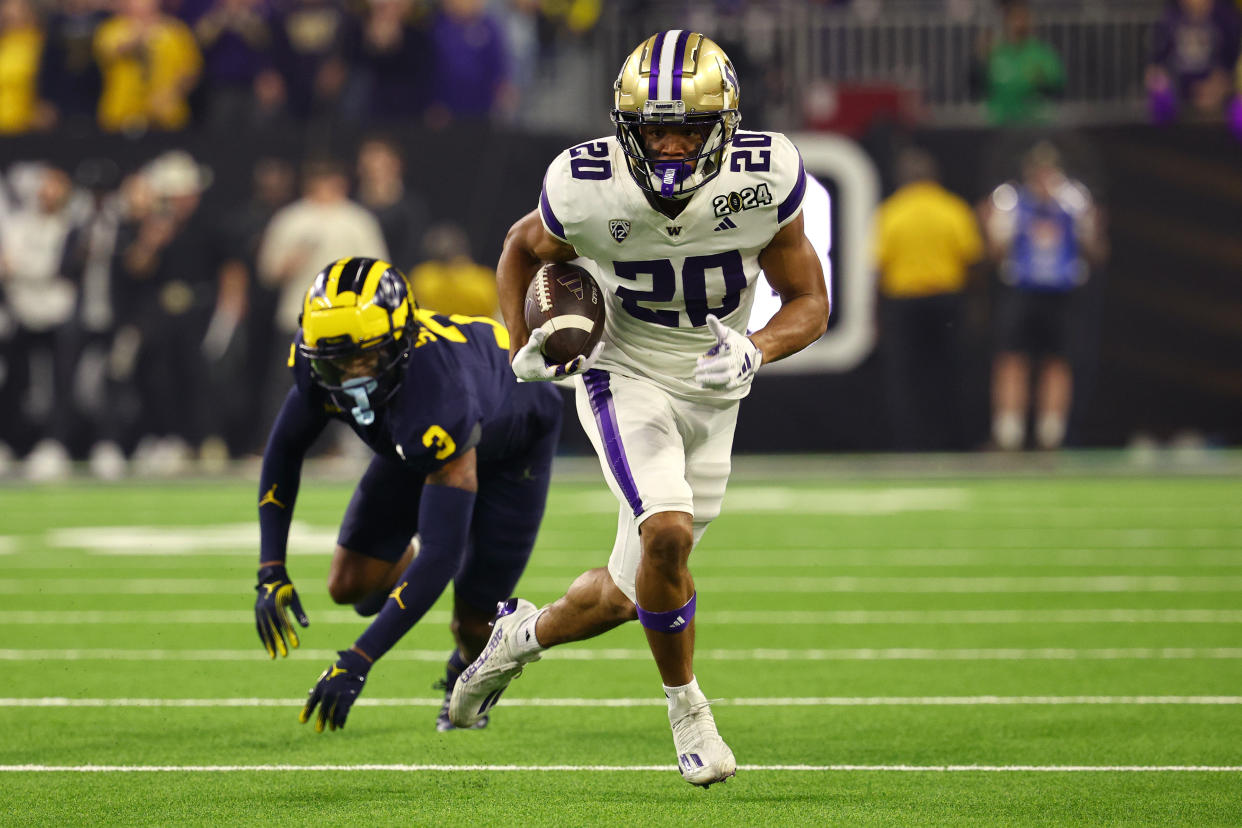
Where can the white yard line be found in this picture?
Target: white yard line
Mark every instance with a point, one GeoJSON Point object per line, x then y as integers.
{"type": "Point", "coordinates": [242, 539]}
{"type": "Point", "coordinates": [829, 701]}
{"type": "Point", "coordinates": [223, 539]}
{"type": "Point", "coordinates": [731, 617]}
{"type": "Point", "coordinates": [103, 585]}
{"type": "Point", "coordinates": [755, 584]}
{"type": "Point", "coordinates": [618, 768]}
{"type": "Point", "coordinates": [618, 654]}
{"type": "Point", "coordinates": [924, 617]}
{"type": "Point", "coordinates": [983, 584]}
{"type": "Point", "coordinates": [204, 616]}
{"type": "Point", "coordinates": [806, 501]}
{"type": "Point", "coordinates": [714, 558]}
{"type": "Point", "coordinates": [1164, 553]}
{"type": "Point", "coordinates": [1120, 545]}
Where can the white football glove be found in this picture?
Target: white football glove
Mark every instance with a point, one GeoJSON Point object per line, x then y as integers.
{"type": "Point", "coordinates": [529, 364]}
{"type": "Point", "coordinates": [731, 362]}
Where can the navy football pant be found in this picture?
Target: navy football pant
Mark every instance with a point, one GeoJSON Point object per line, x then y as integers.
{"type": "Point", "coordinates": [383, 516]}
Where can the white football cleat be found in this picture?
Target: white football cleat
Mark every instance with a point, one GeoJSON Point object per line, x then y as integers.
{"type": "Point", "coordinates": [702, 756]}
{"type": "Point", "coordinates": [48, 462]}
{"type": "Point", "coordinates": [107, 460]}
{"type": "Point", "coordinates": [480, 686]}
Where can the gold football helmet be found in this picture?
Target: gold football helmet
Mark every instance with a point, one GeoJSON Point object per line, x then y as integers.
{"type": "Point", "coordinates": [358, 326]}
{"type": "Point", "coordinates": [680, 78]}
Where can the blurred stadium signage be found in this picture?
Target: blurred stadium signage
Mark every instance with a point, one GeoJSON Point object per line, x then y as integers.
{"type": "Point", "coordinates": [837, 217]}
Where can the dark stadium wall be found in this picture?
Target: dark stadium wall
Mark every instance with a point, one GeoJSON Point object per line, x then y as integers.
{"type": "Point", "coordinates": [1160, 345]}
{"type": "Point", "coordinates": [1158, 340]}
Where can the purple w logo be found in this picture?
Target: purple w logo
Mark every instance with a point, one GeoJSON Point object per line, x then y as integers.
{"type": "Point", "coordinates": [573, 284]}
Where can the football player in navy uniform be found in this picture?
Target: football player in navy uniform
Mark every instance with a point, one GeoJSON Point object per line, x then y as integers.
{"type": "Point", "coordinates": [676, 214]}
{"type": "Point", "coordinates": [455, 491]}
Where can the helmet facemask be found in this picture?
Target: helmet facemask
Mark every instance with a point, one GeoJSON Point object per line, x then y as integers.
{"type": "Point", "coordinates": [358, 346]}
{"type": "Point", "coordinates": [331, 362]}
{"type": "Point", "coordinates": [674, 179]}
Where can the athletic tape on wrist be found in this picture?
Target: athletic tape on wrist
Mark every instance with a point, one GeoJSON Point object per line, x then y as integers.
{"type": "Point", "coordinates": [670, 621]}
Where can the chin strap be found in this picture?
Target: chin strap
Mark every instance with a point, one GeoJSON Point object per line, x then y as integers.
{"type": "Point", "coordinates": [668, 178]}
{"type": "Point", "coordinates": [671, 174]}
{"type": "Point", "coordinates": [360, 389]}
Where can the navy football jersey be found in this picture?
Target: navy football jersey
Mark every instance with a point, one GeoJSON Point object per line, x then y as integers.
{"type": "Point", "coordinates": [458, 393]}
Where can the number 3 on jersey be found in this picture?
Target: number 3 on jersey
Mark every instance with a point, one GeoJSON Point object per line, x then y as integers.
{"type": "Point", "coordinates": [725, 271]}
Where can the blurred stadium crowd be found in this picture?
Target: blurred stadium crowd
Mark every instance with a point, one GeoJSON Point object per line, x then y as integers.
{"type": "Point", "coordinates": [138, 323]}
{"type": "Point", "coordinates": [138, 328]}
{"type": "Point", "coordinates": [131, 66]}
{"type": "Point", "coordinates": [135, 65]}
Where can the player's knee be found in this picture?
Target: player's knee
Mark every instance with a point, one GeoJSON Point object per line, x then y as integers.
{"type": "Point", "coordinates": [342, 589]}
{"type": "Point", "coordinates": [346, 587]}
{"type": "Point", "coordinates": [667, 545]}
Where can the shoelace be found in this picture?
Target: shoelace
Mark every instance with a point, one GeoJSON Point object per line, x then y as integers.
{"type": "Point", "coordinates": [705, 704]}
{"type": "Point", "coordinates": [685, 724]}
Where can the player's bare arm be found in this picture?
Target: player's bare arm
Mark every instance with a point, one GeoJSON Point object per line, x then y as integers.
{"type": "Point", "coordinates": [527, 246]}
{"type": "Point", "coordinates": [794, 271]}
{"type": "Point", "coordinates": [460, 473]}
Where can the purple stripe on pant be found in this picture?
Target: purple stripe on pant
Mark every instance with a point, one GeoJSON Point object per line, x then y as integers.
{"type": "Point", "coordinates": [610, 435]}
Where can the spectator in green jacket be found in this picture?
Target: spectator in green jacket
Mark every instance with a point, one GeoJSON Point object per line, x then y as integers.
{"type": "Point", "coordinates": [1020, 72]}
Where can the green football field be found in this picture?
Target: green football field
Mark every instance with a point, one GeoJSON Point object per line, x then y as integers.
{"type": "Point", "coordinates": [885, 649]}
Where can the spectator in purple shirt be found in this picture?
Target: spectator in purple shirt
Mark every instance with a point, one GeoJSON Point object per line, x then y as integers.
{"type": "Point", "coordinates": [394, 63]}
{"type": "Point", "coordinates": [1195, 49]}
{"type": "Point", "coordinates": [313, 40]}
{"type": "Point", "coordinates": [242, 86]}
{"type": "Point", "coordinates": [470, 76]}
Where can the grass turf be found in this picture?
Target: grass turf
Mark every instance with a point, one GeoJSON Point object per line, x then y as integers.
{"type": "Point", "coordinates": [171, 568]}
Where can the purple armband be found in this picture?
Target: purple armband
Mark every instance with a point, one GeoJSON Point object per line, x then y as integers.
{"type": "Point", "coordinates": [670, 621]}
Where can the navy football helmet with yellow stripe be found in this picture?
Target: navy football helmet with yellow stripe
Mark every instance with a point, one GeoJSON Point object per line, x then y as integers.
{"type": "Point", "coordinates": [358, 326]}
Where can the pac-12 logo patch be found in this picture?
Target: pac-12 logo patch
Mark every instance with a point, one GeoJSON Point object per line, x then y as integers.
{"type": "Point", "coordinates": [619, 229]}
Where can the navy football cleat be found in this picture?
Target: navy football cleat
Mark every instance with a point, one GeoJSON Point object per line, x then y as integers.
{"type": "Point", "coordinates": [443, 722]}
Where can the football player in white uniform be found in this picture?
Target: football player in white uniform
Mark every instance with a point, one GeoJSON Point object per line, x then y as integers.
{"type": "Point", "coordinates": [675, 215]}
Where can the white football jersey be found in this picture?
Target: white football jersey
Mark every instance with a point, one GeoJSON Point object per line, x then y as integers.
{"type": "Point", "coordinates": [663, 276]}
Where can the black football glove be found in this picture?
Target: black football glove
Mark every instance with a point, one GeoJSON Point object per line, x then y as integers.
{"type": "Point", "coordinates": [336, 691]}
{"type": "Point", "coordinates": [276, 597]}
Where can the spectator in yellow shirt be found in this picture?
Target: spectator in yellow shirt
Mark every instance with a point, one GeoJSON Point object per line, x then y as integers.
{"type": "Point", "coordinates": [926, 239]}
{"type": "Point", "coordinates": [149, 62]}
{"type": "Point", "coordinates": [450, 281]}
{"type": "Point", "coordinates": [21, 45]}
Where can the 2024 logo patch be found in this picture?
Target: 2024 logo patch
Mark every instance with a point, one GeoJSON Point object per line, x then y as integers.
{"type": "Point", "coordinates": [742, 200]}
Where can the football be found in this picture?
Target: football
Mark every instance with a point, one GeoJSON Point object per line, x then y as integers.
{"type": "Point", "coordinates": [564, 301]}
